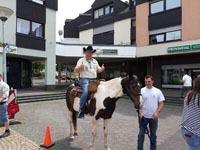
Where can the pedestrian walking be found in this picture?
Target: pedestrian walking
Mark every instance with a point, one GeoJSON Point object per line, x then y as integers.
{"type": "Point", "coordinates": [187, 83]}
{"type": "Point", "coordinates": [190, 123]}
{"type": "Point", "coordinates": [150, 109]}
{"type": "Point", "coordinates": [4, 93]}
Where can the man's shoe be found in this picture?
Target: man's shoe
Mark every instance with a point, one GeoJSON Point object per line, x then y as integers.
{"type": "Point", "coordinates": [6, 133]}
{"type": "Point", "coordinates": [81, 115]}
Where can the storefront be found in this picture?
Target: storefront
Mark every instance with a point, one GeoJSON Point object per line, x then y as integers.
{"type": "Point", "coordinates": [167, 70]}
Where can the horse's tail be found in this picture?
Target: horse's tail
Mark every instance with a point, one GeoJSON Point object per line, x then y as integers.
{"type": "Point", "coordinates": [69, 98]}
{"type": "Point", "coordinates": [74, 118]}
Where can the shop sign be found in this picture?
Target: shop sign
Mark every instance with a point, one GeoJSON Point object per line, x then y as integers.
{"type": "Point", "coordinates": [183, 48]}
{"type": "Point", "coordinates": [9, 49]}
{"type": "Point", "coordinates": [195, 46]}
{"type": "Point", "coordinates": [179, 48]}
{"type": "Point", "coordinates": [110, 51]}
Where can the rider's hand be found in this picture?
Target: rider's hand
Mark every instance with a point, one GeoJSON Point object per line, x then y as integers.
{"type": "Point", "coordinates": [81, 66]}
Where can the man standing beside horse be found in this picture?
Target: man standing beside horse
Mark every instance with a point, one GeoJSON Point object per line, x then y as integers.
{"type": "Point", "coordinates": [4, 93]}
{"type": "Point", "coordinates": [151, 106]}
{"type": "Point", "coordinates": [88, 68]}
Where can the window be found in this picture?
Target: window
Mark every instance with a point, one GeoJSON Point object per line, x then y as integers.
{"type": "Point", "coordinates": [157, 7]}
{"type": "Point", "coordinates": [29, 28]}
{"type": "Point", "coordinates": [163, 5]}
{"type": "Point", "coordinates": [172, 36]}
{"type": "Point", "coordinates": [37, 29]}
{"type": "Point", "coordinates": [96, 14]}
{"type": "Point", "coordinates": [157, 39]}
{"type": "Point", "coordinates": [107, 10]}
{"type": "Point", "coordinates": [111, 9]}
{"type": "Point", "coordinates": [23, 26]}
{"type": "Point", "coordinates": [170, 4]}
{"type": "Point", "coordinates": [133, 23]}
{"type": "Point", "coordinates": [38, 1]}
{"type": "Point", "coordinates": [165, 37]}
{"type": "Point", "coordinates": [101, 13]}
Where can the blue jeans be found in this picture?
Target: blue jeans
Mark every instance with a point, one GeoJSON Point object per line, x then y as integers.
{"type": "Point", "coordinates": [192, 140]}
{"type": "Point", "coordinates": [153, 125]}
{"type": "Point", "coordinates": [84, 83]}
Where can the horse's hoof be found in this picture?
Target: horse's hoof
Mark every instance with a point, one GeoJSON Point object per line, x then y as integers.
{"type": "Point", "coordinates": [91, 147]}
{"type": "Point", "coordinates": [71, 137]}
{"type": "Point", "coordinates": [107, 148]}
{"type": "Point", "coordinates": [75, 133]}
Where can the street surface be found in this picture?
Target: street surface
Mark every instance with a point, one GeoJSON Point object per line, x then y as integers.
{"type": "Point", "coordinates": [123, 128]}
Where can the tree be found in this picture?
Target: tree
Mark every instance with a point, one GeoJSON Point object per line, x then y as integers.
{"type": "Point", "coordinates": [38, 67]}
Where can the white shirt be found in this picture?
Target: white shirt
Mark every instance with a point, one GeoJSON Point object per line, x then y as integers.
{"type": "Point", "coordinates": [4, 90]}
{"type": "Point", "coordinates": [90, 69]}
{"type": "Point", "coordinates": [187, 80]}
{"type": "Point", "coordinates": [151, 98]}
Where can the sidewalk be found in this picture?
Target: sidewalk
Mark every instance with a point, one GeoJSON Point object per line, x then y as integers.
{"type": "Point", "coordinates": [16, 142]}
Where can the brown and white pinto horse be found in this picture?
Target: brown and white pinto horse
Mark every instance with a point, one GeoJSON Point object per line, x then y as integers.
{"type": "Point", "coordinates": [104, 103]}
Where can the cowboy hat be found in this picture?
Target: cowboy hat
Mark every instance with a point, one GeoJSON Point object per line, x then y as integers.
{"type": "Point", "coordinates": [89, 48]}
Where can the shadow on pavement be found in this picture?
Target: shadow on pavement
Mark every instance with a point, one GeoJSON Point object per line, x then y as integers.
{"type": "Point", "coordinates": [64, 144]}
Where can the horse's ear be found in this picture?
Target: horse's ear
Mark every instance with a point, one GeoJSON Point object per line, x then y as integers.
{"type": "Point", "coordinates": [130, 76]}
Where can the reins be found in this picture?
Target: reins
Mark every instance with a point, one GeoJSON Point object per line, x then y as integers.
{"type": "Point", "coordinates": [143, 125]}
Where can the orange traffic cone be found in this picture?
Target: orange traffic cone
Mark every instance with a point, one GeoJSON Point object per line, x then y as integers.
{"type": "Point", "coordinates": [47, 139]}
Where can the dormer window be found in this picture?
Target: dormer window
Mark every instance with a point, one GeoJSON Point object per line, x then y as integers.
{"type": "Point", "coordinates": [103, 11]}
{"type": "Point", "coordinates": [41, 2]}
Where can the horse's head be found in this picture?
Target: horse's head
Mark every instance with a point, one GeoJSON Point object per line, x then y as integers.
{"type": "Point", "coordinates": [131, 87]}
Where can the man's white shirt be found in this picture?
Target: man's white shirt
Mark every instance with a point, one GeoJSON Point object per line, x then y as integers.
{"type": "Point", "coordinates": [187, 80]}
{"type": "Point", "coordinates": [151, 98]}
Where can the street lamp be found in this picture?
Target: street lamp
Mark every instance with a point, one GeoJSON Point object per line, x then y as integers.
{"type": "Point", "coordinates": [5, 13]}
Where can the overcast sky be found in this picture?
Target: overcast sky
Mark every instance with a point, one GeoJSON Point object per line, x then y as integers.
{"type": "Point", "coordinates": [70, 9]}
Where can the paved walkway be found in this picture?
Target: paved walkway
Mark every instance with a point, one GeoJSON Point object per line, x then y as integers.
{"type": "Point", "coordinates": [123, 128]}
{"type": "Point", "coordinates": [16, 142]}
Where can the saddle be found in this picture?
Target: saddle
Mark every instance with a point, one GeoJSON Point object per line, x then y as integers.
{"type": "Point", "coordinates": [92, 89]}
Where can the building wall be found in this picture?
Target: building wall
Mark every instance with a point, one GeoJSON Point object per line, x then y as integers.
{"type": "Point", "coordinates": [142, 32]}
{"type": "Point", "coordinates": [86, 37]}
{"type": "Point", "coordinates": [190, 20]}
{"type": "Point", "coordinates": [122, 32]}
{"type": "Point", "coordinates": [71, 40]}
{"type": "Point", "coordinates": [50, 67]}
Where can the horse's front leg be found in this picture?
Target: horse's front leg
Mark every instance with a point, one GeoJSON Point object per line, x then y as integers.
{"type": "Point", "coordinates": [106, 121]}
{"type": "Point", "coordinates": [94, 132]}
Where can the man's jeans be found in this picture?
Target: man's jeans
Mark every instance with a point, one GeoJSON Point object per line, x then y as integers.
{"type": "Point", "coordinates": [185, 89]}
{"type": "Point", "coordinates": [153, 125]}
{"type": "Point", "coordinates": [192, 140]}
{"type": "Point", "coordinates": [84, 83]}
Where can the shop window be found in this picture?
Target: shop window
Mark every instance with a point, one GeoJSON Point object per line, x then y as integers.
{"type": "Point", "coordinates": [171, 76]}
{"type": "Point", "coordinates": [157, 7]}
{"type": "Point", "coordinates": [172, 36]}
{"type": "Point", "coordinates": [23, 26]}
{"type": "Point", "coordinates": [157, 38]}
{"type": "Point", "coordinates": [170, 4]}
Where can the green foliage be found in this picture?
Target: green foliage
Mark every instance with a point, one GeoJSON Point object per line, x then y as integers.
{"type": "Point", "coordinates": [37, 67]}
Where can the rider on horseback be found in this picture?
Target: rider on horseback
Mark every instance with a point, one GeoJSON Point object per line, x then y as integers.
{"type": "Point", "coordinates": [88, 68]}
